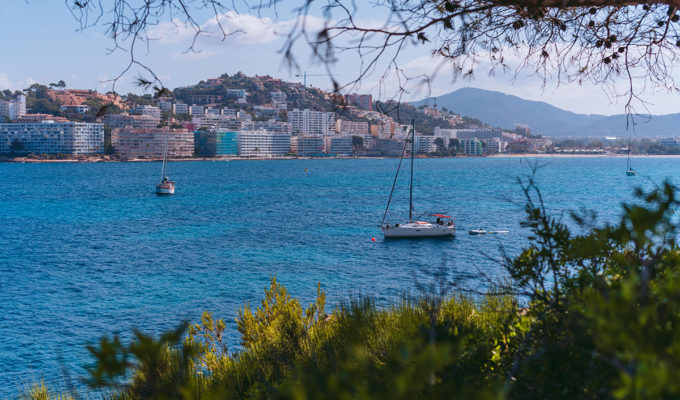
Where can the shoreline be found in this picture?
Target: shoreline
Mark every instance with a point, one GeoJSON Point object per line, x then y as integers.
{"type": "Point", "coordinates": [23, 160]}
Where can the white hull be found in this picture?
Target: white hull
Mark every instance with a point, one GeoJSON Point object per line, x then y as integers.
{"type": "Point", "coordinates": [415, 230]}
{"type": "Point", "coordinates": [165, 190]}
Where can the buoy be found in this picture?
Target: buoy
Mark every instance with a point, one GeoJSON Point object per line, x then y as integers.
{"type": "Point", "coordinates": [372, 239]}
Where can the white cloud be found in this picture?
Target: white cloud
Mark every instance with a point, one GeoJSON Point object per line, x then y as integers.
{"type": "Point", "coordinates": [232, 28]}
{"type": "Point", "coordinates": [5, 83]}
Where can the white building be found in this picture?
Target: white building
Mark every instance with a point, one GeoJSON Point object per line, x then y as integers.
{"type": "Point", "coordinates": [13, 108]}
{"type": "Point", "coordinates": [445, 133]}
{"type": "Point", "coordinates": [263, 144]}
{"type": "Point", "coordinates": [220, 123]}
{"type": "Point", "coordinates": [472, 147]}
{"type": "Point", "coordinates": [52, 137]}
{"type": "Point", "coordinates": [424, 144]}
{"type": "Point", "coordinates": [307, 122]}
{"type": "Point", "coordinates": [196, 111]}
{"type": "Point", "coordinates": [150, 111]}
{"type": "Point", "coordinates": [479, 133]}
{"type": "Point", "coordinates": [78, 109]}
{"type": "Point", "coordinates": [180, 108]}
{"type": "Point", "coordinates": [165, 105]}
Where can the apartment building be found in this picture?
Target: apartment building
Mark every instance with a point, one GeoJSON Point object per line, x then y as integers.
{"type": "Point", "coordinates": [12, 109]}
{"type": "Point", "coordinates": [150, 111]}
{"type": "Point", "coordinates": [344, 126]}
{"type": "Point", "coordinates": [214, 144]}
{"type": "Point", "coordinates": [263, 144]}
{"type": "Point", "coordinates": [338, 145]}
{"type": "Point", "coordinates": [307, 122]}
{"type": "Point", "coordinates": [310, 146]}
{"type": "Point", "coordinates": [53, 137]}
{"type": "Point", "coordinates": [218, 123]}
{"type": "Point", "coordinates": [180, 108]}
{"type": "Point", "coordinates": [132, 142]}
{"type": "Point", "coordinates": [362, 101]}
{"type": "Point", "coordinates": [123, 120]}
{"type": "Point", "coordinates": [472, 147]}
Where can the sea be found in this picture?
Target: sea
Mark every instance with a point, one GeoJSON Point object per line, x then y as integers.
{"type": "Point", "coordinates": [87, 250]}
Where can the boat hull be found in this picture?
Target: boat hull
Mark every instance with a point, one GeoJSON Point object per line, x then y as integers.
{"type": "Point", "coordinates": [418, 230]}
{"type": "Point", "coordinates": [165, 190]}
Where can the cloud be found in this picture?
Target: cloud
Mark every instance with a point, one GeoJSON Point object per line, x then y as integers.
{"type": "Point", "coordinates": [231, 28]}
{"type": "Point", "coordinates": [7, 83]}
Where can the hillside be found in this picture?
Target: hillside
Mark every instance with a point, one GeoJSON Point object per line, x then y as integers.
{"type": "Point", "coordinates": [499, 109]}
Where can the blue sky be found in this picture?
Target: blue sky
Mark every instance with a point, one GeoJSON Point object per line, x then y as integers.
{"type": "Point", "coordinates": [42, 43]}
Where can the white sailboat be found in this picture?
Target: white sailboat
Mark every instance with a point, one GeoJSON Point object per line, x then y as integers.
{"type": "Point", "coordinates": [415, 228]}
{"type": "Point", "coordinates": [165, 186]}
{"type": "Point", "coordinates": [629, 169]}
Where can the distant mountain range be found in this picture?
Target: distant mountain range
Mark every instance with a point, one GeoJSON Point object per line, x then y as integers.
{"type": "Point", "coordinates": [504, 111]}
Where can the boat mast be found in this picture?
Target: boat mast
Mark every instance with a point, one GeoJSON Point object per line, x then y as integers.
{"type": "Point", "coordinates": [628, 163]}
{"type": "Point", "coordinates": [410, 189]}
{"type": "Point", "coordinates": [165, 153]}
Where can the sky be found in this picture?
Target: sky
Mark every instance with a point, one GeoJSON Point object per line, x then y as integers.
{"type": "Point", "coordinates": [42, 43]}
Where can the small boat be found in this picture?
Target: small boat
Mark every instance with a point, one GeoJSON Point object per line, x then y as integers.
{"type": "Point", "coordinates": [477, 232]}
{"type": "Point", "coordinates": [166, 186]}
{"type": "Point", "coordinates": [629, 168]}
{"type": "Point", "coordinates": [415, 228]}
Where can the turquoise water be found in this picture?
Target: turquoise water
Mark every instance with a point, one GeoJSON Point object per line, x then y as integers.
{"type": "Point", "coordinates": [88, 249]}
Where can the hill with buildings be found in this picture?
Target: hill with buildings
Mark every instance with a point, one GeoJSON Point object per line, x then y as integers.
{"type": "Point", "coordinates": [507, 111]}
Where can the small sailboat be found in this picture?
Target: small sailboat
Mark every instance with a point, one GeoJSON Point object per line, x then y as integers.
{"type": "Point", "coordinates": [165, 186]}
{"type": "Point", "coordinates": [629, 169]}
{"type": "Point", "coordinates": [415, 228]}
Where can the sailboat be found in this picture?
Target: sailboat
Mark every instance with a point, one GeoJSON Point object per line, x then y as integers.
{"type": "Point", "coordinates": [165, 186]}
{"type": "Point", "coordinates": [629, 169]}
{"type": "Point", "coordinates": [415, 228]}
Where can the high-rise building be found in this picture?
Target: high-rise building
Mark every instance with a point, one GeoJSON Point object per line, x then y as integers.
{"type": "Point", "coordinates": [13, 109]}
{"type": "Point", "coordinates": [151, 143]}
{"type": "Point", "coordinates": [53, 137]}
{"type": "Point", "coordinates": [263, 144]}
{"type": "Point", "coordinates": [307, 122]}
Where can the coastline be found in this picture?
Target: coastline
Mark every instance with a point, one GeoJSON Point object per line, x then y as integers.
{"type": "Point", "coordinates": [25, 160]}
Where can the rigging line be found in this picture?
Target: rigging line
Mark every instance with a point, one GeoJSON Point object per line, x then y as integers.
{"type": "Point", "coordinates": [403, 151]}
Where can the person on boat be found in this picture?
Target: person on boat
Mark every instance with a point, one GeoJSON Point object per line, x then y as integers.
{"type": "Point", "coordinates": [450, 223]}
{"type": "Point", "coordinates": [439, 221]}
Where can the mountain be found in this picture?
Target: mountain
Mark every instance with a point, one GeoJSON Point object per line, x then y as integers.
{"type": "Point", "coordinates": [502, 110]}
